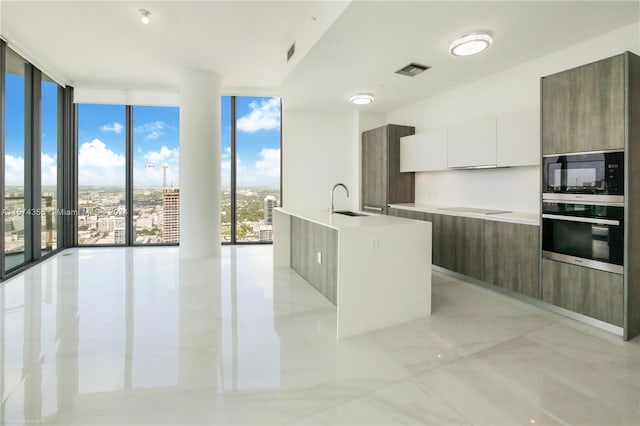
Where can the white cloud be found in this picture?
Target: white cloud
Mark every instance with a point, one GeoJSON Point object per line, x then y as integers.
{"type": "Point", "coordinates": [114, 127]}
{"type": "Point", "coordinates": [153, 130]}
{"type": "Point", "coordinates": [263, 116]}
{"type": "Point", "coordinates": [14, 170]}
{"type": "Point", "coordinates": [163, 155]}
{"type": "Point", "coordinates": [269, 165]}
{"type": "Point", "coordinates": [49, 166]}
{"type": "Point", "coordinates": [98, 165]}
{"type": "Point", "coordinates": [96, 154]}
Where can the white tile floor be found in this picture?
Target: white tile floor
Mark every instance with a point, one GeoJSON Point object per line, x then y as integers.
{"type": "Point", "coordinates": [136, 336]}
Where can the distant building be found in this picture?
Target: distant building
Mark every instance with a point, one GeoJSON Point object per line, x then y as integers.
{"type": "Point", "coordinates": [171, 216]}
{"type": "Point", "coordinates": [265, 233]}
{"type": "Point", "coordinates": [144, 222]}
{"type": "Point", "coordinates": [269, 203]}
{"type": "Point", "coordinates": [119, 236]}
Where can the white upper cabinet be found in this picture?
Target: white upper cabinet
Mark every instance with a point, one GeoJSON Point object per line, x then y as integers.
{"type": "Point", "coordinates": [519, 138]}
{"type": "Point", "coordinates": [408, 153]}
{"type": "Point", "coordinates": [424, 152]}
{"type": "Point", "coordinates": [472, 144]}
{"type": "Point", "coordinates": [432, 150]}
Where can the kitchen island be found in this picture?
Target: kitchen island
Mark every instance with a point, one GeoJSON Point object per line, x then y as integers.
{"type": "Point", "coordinates": [376, 269]}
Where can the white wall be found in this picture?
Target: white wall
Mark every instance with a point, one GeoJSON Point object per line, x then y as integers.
{"type": "Point", "coordinates": [318, 151]}
{"type": "Point", "coordinates": [516, 89]}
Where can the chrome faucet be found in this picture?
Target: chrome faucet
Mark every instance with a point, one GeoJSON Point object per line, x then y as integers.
{"type": "Point", "coordinates": [333, 190]}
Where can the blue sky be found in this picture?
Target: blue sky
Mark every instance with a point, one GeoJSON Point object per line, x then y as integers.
{"type": "Point", "coordinates": [101, 140]}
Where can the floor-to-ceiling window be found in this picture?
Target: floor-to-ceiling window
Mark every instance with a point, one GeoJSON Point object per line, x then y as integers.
{"type": "Point", "coordinates": [50, 163]}
{"type": "Point", "coordinates": [128, 169]}
{"type": "Point", "coordinates": [156, 186]}
{"type": "Point", "coordinates": [14, 161]}
{"type": "Point", "coordinates": [32, 167]}
{"type": "Point", "coordinates": [250, 167]}
{"type": "Point", "coordinates": [102, 207]}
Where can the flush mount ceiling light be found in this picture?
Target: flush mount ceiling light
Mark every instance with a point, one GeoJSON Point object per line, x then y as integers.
{"type": "Point", "coordinates": [470, 44]}
{"type": "Point", "coordinates": [361, 99]}
{"type": "Point", "coordinates": [144, 16]}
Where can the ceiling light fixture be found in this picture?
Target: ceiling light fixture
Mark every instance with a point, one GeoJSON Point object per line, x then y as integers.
{"type": "Point", "coordinates": [361, 99]}
{"type": "Point", "coordinates": [470, 44]}
{"type": "Point", "coordinates": [144, 16]}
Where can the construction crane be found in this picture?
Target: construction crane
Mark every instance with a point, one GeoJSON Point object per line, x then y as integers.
{"type": "Point", "coordinates": [164, 173]}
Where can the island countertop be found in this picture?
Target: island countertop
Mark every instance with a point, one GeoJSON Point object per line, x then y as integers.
{"type": "Point", "coordinates": [339, 221]}
{"type": "Point", "coordinates": [376, 269]}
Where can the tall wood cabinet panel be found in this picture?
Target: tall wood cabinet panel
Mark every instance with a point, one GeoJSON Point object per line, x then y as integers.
{"type": "Point", "coordinates": [632, 274]}
{"type": "Point", "coordinates": [307, 240]}
{"type": "Point", "coordinates": [592, 108]}
{"type": "Point", "coordinates": [591, 292]}
{"type": "Point", "coordinates": [511, 257]}
{"type": "Point", "coordinates": [382, 182]}
{"type": "Point", "coordinates": [583, 108]}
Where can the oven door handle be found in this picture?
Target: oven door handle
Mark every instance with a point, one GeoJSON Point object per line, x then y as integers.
{"type": "Point", "coordinates": [582, 219]}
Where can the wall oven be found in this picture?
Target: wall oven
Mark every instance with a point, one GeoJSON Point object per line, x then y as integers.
{"type": "Point", "coordinates": [584, 234]}
{"type": "Point", "coordinates": [586, 176]}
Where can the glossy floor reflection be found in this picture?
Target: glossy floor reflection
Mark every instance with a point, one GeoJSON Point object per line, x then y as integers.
{"type": "Point", "coordinates": [125, 336]}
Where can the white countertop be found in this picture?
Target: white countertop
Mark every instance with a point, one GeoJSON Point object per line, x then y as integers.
{"type": "Point", "coordinates": [339, 221]}
{"type": "Point", "coordinates": [512, 217]}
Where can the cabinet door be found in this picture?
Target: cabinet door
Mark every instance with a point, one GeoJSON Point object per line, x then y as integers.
{"type": "Point", "coordinates": [374, 170]}
{"type": "Point", "coordinates": [587, 291]}
{"type": "Point", "coordinates": [307, 240]}
{"type": "Point", "coordinates": [518, 138]}
{"type": "Point", "coordinates": [469, 249]}
{"type": "Point", "coordinates": [583, 108]}
{"type": "Point", "coordinates": [400, 186]}
{"type": "Point", "coordinates": [511, 257]}
{"type": "Point", "coordinates": [472, 143]}
{"type": "Point", "coordinates": [444, 243]}
{"type": "Point", "coordinates": [409, 153]}
{"type": "Point", "coordinates": [432, 150]}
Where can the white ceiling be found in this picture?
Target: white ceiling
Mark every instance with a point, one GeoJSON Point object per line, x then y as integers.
{"type": "Point", "coordinates": [103, 44]}
{"type": "Point", "coordinates": [371, 40]}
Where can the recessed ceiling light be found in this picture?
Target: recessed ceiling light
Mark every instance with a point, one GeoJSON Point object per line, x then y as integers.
{"type": "Point", "coordinates": [361, 99]}
{"type": "Point", "coordinates": [144, 16]}
{"type": "Point", "coordinates": [470, 44]}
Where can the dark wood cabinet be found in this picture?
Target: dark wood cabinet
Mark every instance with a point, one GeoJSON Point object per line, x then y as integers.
{"type": "Point", "coordinates": [503, 254]}
{"type": "Point", "coordinates": [583, 108]}
{"type": "Point", "coordinates": [512, 257]}
{"type": "Point", "coordinates": [591, 292]}
{"type": "Point", "coordinates": [382, 183]}
{"type": "Point", "coordinates": [469, 254]}
{"type": "Point", "coordinates": [307, 240]}
{"type": "Point", "coordinates": [457, 244]}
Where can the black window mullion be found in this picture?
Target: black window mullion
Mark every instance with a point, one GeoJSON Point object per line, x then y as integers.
{"type": "Point", "coordinates": [60, 181]}
{"type": "Point", "coordinates": [233, 206]}
{"type": "Point", "coordinates": [3, 50]}
{"type": "Point", "coordinates": [33, 167]}
{"type": "Point", "coordinates": [69, 166]}
{"type": "Point", "coordinates": [31, 162]}
{"type": "Point", "coordinates": [129, 176]}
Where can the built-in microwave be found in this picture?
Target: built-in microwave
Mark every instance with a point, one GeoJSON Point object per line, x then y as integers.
{"type": "Point", "coordinates": [584, 234]}
{"type": "Point", "coordinates": [586, 176]}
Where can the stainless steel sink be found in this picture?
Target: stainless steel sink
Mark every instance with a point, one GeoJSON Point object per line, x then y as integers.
{"type": "Point", "coordinates": [350, 213]}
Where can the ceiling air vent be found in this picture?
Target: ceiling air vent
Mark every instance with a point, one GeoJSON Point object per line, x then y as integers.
{"type": "Point", "coordinates": [412, 69]}
{"type": "Point", "coordinates": [291, 51]}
